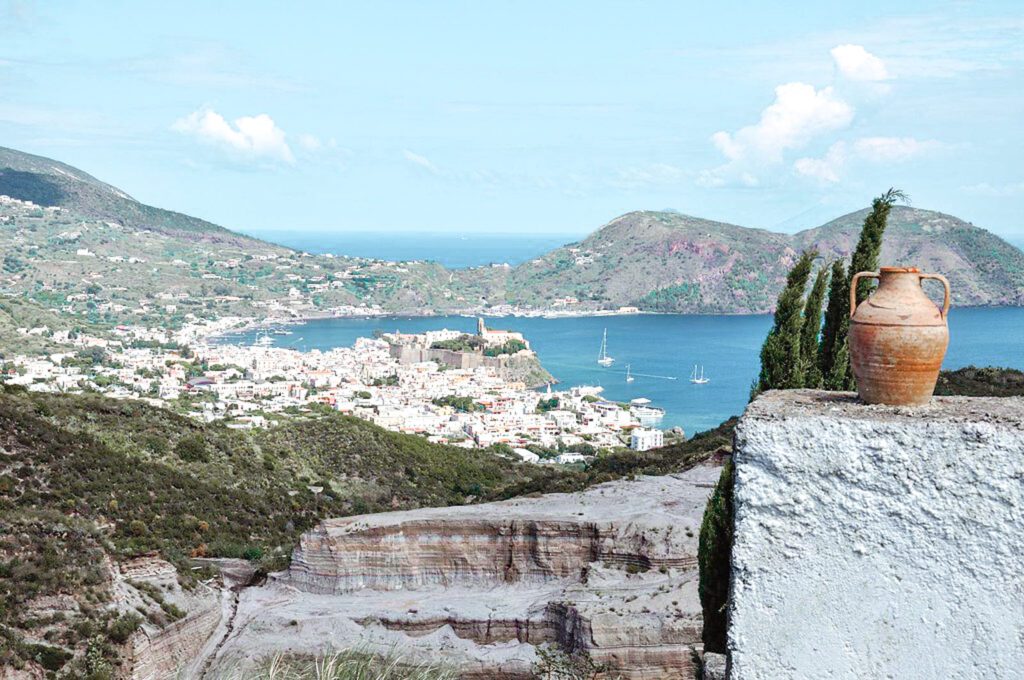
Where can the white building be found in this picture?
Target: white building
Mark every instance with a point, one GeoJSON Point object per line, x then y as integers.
{"type": "Point", "coordinates": [643, 439]}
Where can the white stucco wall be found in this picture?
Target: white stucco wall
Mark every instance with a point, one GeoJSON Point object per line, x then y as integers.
{"type": "Point", "coordinates": [878, 542]}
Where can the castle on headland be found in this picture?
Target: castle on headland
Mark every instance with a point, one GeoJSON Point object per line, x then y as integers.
{"type": "Point", "coordinates": [493, 336]}
{"type": "Point", "coordinates": [513, 360]}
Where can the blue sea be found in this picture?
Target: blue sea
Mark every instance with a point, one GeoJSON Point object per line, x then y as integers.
{"type": "Point", "coordinates": [452, 249]}
{"type": "Point", "coordinates": [662, 349]}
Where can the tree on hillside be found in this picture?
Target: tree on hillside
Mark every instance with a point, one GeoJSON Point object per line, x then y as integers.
{"type": "Point", "coordinates": [811, 329]}
{"type": "Point", "coordinates": [780, 354]}
{"type": "Point", "coordinates": [835, 365]}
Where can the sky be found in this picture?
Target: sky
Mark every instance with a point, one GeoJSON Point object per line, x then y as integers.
{"type": "Point", "coordinates": [524, 117]}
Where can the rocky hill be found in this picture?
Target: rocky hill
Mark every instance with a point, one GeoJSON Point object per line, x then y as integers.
{"type": "Point", "coordinates": [48, 183]}
{"type": "Point", "coordinates": [667, 262]}
{"type": "Point", "coordinates": [982, 268]}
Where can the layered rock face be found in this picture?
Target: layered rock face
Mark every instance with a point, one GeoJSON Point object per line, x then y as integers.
{"type": "Point", "coordinates": [610, 572]}
{"type": "Point", "coordinates": [407, 550]}
{"type": "Point", "coordinates": [162, 651]}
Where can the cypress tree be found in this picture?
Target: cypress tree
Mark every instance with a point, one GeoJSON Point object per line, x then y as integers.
{"type": "Point", "coordinates": [714, 557]}
{"type": "Point", "coordinates": [838, 291]}
{"type": "Point", "coordinates": [835, 364]}
{"type": "Point", "coordinates": [780, 355]}
{"type": "Point", "coordinates": [811, 329]}
{"type": "Point", "coordinates": [865, 257]}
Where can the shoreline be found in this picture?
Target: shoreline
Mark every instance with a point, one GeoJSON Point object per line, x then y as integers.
{"type": "Point", "coordinates": [254, 323]}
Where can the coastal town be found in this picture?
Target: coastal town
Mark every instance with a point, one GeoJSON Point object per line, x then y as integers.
{"type": "Point", "coordinates": [474, 391]}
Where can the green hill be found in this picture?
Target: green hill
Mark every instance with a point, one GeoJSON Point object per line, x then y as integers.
{"type": "Point", "coordinates": [982, 268]}
{"type": "Point", "coordinates": [49, 183]}
{"type": "Point", "coordinates": [668, 262]}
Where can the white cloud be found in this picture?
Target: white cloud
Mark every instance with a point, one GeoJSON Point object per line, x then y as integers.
{"type": "Point", "coordinates": [648, 175]}
{"type": "Point", "coordinates": [825, 169]}
{"type": "Point", "coordinates": [894, 149]}
{"type": "Point", "coordinates": [249, 137]}
{"type": "Point", "coordinates": [309, 142]}
{"type": "Point", "coordinates": [421, 161]}
{"type": "Point", "coordinates": [856, 63]}
{"type": "Point", "coordinates": [799, 114]}
{"type": "Point", "coordinates": [995, 190]}
{"type": "Point", "coordinates": [829, 168]}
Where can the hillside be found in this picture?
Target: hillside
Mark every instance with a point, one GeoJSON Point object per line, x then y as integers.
{"type": "Point", "coordinates": [661, 262]}
{"type": "Point", "coordinates": [86, 480]}
{"type": "Point", "coordinates": [97, 257]}
{"type": "Point", "coordinates": [49, 183]}
{"type": "Point", "coordinates": [667, 262]}
{"type": "Point", "coordinates": [982, 268]}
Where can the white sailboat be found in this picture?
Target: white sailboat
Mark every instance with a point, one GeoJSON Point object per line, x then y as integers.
{"type": "Point", "coordinates": [602, 357]}
{"type": "Point", "coordinates": [629, 376]}
{"type": "Point", "coordinates": [698, 379]}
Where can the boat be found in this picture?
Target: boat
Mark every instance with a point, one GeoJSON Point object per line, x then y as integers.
{"type": "Point", "coordinates": [602, 357]}
{"type": "Point", "coordinates": [629, 376]}
{"type": "Point", "coordinates": [641, 408]}
{"type": "Point", "coordinates": [698, 379]}
{"type": "Point", "coordinates": [264, 340]}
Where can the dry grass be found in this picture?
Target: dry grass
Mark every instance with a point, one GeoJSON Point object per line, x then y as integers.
{"type": "Point", "coordinates": [351, 664]}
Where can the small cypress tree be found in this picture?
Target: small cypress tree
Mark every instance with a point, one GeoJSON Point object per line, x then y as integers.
{"type": "Point", "coordinates": [865, 257]}
{"type": "Point", "coordinates": [714, 559]}
{"type": "Point", "coordinates": [811, 329]}
{"type": "Point", "coordinates": [835, 320]}
{"type": "Point", "coordinates": [780, 355]}
{"type": "Point", "coordinates": [835, 366]}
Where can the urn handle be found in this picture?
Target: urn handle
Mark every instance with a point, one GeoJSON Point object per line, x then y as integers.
{"type": "Point", "coordinates": [945, 283]}
{"type": "Point", "coordinates": [853, 288]}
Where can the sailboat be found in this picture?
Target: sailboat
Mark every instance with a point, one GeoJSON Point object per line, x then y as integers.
{"type": "Point", "coordinates": [698, 379]}
{"type": "Point", "coordinates": [629, 376]}
{"type": "Point", "coordinates": [602, 357]}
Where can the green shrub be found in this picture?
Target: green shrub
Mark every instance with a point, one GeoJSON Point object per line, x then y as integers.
{"type": "Point", "coordinates": [50, 658]}
{"type": "Point", "coordinates": [192, 448]}
{"type": "Point", "coordinates": [123, 627]}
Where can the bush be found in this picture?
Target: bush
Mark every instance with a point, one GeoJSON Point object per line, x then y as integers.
{"type": "Point", "coordinates": [123, 627]}
{"type": "Point", "coordinates": [192, 449]}
{"type": "Point", "coordinates": [50, 658]}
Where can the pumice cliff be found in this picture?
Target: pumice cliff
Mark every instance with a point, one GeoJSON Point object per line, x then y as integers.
{"type": "Point", "coordinates": [609, 572]}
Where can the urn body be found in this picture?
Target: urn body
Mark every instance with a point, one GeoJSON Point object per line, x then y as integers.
{"type": "Point", "coordinates": [898, 337]}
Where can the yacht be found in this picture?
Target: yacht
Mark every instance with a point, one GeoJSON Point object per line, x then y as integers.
{"type": "Point", "coordinates": [629, 376]}
{"type": "Point", "coordinates": [698, 379]}
{"type": "Point", "coordinates": [643, 411]}
{"type": "Point", "coordinates": [602, 356]}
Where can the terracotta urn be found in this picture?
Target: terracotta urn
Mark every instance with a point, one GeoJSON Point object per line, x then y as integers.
{"type": "Point", "coordinates": [898, 337]}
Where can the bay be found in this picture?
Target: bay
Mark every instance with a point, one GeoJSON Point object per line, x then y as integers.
{"type": "Point", "coordinates": [661, 351]}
